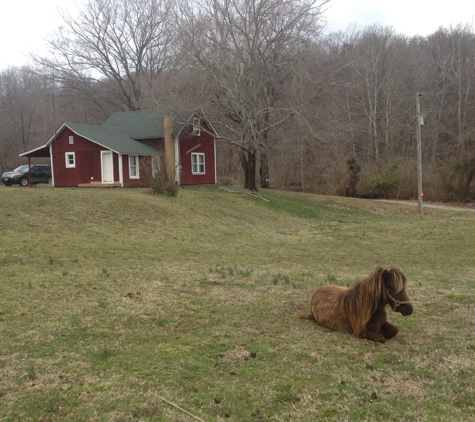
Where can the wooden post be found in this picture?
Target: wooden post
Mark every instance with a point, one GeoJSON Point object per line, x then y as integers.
{"type": "Point", "coordinates": [29, 171]}
{"type": "Point", "coordinates": [419, 151]}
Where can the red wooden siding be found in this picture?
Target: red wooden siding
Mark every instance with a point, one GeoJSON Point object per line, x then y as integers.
{"type": "Point", "coordinates": [87, 160]}
{"type": "Point", "coordinates": [88, 165]}
{"type": "Point", "coordinates": [189, 143]}
{"type": "Point", "coordinates": [144, 172]}
{"type": "Point", "coordinates": [158, 143]}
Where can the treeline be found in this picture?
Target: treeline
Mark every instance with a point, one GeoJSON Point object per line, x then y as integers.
{"type": "Point", "coordinates": [296, 109]}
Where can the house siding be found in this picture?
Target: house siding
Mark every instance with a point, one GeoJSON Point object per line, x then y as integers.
{"type": "Point", "coordinates": [88, 154]}
{"type": "Point", "coordinates": [144, 172]}
{"type": "Point", "coordinates": [87, 160]}
{"type": "Point", "coordinates": [188, 144]}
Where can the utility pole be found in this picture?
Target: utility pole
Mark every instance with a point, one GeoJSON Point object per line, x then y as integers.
{"type": "Point", "coordinates": [419, 150]}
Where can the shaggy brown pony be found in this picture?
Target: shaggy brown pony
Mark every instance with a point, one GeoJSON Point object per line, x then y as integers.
{"type": "Point", "coordinates": [360, 309]}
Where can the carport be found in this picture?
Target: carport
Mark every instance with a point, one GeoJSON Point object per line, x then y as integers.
{"type": "Point", "coordinates": [39, 152]}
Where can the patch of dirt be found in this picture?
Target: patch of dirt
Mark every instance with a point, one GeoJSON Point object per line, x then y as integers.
{"type": "Point", "coordinates": [391, 383]}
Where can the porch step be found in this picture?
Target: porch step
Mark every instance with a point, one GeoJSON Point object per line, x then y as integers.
{"type": "Point", "coordinates": [99, 185]}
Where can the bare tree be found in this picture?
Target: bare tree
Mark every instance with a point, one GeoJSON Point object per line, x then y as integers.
{"type": "Point", "coordinates": [25, 110]}
{"type": "Point", "coordinates": [246, 48]}
{"type": "Point", "coordinates": [113, 51]}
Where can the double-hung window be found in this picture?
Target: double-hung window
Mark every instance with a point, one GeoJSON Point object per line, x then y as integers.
{"type": "Point", "coordinates": [134, 167]}
{"type": "Point", "coordinates": [70, 160]}
{"type": "Point", "coordinates": [198, 163]}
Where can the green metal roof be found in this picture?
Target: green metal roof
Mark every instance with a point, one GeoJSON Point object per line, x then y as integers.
{"type": "Point", "coordinates": [116, 139]}
{"type": "Point", "coordinates": [122, 130]}
{"type": "Point", "coordinates": [146, 124]}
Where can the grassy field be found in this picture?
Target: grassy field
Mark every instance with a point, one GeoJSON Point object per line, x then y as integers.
{"type": "Point", "coordinates": [112, 300]}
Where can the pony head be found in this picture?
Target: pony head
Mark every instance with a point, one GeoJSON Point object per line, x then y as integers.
{"type": "Point", "coordinates": [395, 291]}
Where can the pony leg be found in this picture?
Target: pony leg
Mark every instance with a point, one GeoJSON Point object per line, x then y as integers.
{"type": "Point", "coordinates": [373, 335]}
{"type": "Point", "coordinates": [388, 330]}
{"type": "Point", "coordinates": [373, 330]}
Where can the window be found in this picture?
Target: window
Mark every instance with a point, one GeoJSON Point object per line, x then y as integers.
{"type": "Point", "coordinates": [196, 126]}
{"type": "Point", "coordinates": [134, 167]}
{"type": "Point", "coordinates": [71, 140]}
{"type": "Point", "coordinates": [70, 160]}
{"type": "Point", "coordinates": [198, 163]}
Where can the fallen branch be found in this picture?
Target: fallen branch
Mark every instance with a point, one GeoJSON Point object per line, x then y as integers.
{"type": "Point", "coordinates": [149, 369]}
{"type": "Point", "coordinates": [457, 363]}
{"type": "Point", "coordinates": [178, 407]}
{"type": "Point", "coordinates": [339, 184]}
{"type": "Point", "coordinates": [239, 189]}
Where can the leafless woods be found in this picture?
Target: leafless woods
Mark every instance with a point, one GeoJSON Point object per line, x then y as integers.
{"type": "Point", "coordinates": [295, 107]}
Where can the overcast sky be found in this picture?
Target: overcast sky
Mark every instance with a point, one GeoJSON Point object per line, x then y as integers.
{"type": "Point", "coordinates": [25, 23]}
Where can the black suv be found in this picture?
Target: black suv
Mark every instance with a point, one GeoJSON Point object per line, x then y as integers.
{"type": "Point", "coordinates": [40, 173]}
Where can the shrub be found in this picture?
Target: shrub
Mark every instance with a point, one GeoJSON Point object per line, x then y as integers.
{"type": "Point", "coordinates": [457, 178]}
{"type": "Point", "coordinates": [385, 181]}
{"type": "Point", "coordinates": [354, 176]}
{"type": "Point", "coordinates": [162, 180]}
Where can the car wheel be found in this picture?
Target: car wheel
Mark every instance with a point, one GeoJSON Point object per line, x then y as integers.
{"type": "Point", "coordinates": [49, 180]}
{"type": "Point", "coordinates": [24, 182]}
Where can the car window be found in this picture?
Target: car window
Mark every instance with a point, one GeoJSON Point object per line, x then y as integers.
{"type": "Point", "coordinates": [21, 169]}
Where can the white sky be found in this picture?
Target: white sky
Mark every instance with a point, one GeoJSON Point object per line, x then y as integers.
{"type": "Point", "coordinates": [410, 17]}
{"type": "Point", "coordinates": [25, 23]}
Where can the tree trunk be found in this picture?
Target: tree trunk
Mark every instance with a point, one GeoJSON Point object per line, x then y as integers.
{"type": "Point", "coordinates": [248, 162]}
{"type": "Point", "coordinates": [264, 170]}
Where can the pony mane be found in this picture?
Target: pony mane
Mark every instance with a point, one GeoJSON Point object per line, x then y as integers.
{"type": "Point", "coordinates": [360, 301]}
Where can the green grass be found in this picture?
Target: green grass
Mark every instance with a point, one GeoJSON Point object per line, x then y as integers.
{"type": "Point", "coordinates": [113, 298]}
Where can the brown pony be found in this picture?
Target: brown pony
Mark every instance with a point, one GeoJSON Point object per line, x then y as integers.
{"type": "Point", "coordinates": [360, 309]}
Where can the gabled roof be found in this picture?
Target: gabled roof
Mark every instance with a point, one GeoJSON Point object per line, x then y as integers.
{"type": "Point", "coordinates": [139, 124]}
{"type": "Point", "coordinates": [122, 131]}
{"type": "Point", "coordinates": [147, 124]}
{"type": "Point", "coordinates": [116, 139]}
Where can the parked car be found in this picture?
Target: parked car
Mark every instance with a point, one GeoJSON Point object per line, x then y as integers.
{"type": "Point", "coordinates": [40, 173]}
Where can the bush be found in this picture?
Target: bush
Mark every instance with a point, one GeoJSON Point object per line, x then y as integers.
{"type": "Point", "coordinates": [162, 180]}
{"type": "Point", "coordinates": [386, 180]}
{"type": "Point", "coordinates": [457, 178]}
{"type": "Point", "coordinates": [354, 176]}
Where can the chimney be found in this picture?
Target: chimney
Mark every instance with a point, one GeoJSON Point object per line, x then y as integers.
{"type": "Point", "coordinates": [169, 145]}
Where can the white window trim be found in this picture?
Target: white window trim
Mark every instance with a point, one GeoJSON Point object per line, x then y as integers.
{"type": "Point", "coordinates": [137, 167]}
{"type": "Point", "coordinates": [68, 164]}
{"type": "Point", "coordinates": [198, 163]}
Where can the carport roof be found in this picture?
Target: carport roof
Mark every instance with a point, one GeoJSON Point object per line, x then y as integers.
{"type": "Point", "coordinates": [42, 151]}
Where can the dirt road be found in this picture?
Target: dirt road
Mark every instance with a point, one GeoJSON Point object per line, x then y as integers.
{"type": "Point", "coordinates": [425, 205]}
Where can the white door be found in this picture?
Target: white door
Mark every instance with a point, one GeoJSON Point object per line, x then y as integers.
{"type": "Point", "coordinates": [107, 167]}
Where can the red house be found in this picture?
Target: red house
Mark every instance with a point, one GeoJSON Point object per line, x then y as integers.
{"type": "Point", "coordinates": [122, 152]}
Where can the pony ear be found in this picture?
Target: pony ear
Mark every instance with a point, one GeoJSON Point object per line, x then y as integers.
{"type": "Point", "coordinates": [386, 275]}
